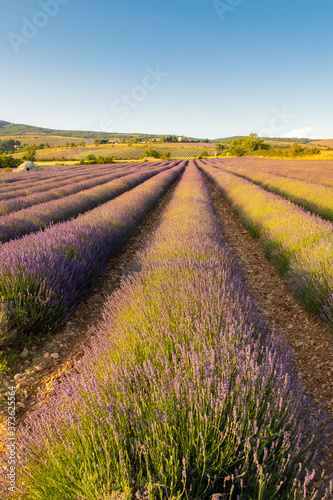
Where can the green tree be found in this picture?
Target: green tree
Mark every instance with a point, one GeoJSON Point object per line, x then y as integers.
{"type": "Point", "coordinates": [151, 153]}
{"type": "Point", "coordinates": [166, 155]}
{"type": "Point", "coordinates": [9, 146]}
{"type": "Point", "coordinates": [132, 141]}
{"type": "Point", "coordinates": [237, 150]}
{"type": "Point", "coordinates": [9, 162]}
{"type": "Point", "coordinates": [30, 153]}
{"type": "Point", "coordinates": [219, 148]}
{"type": "Point", "coordinates": [203, 152]}
{"type": "Point", "coordinates": [314, 151]}
{"type": "Point", "coordinates": [90, 157]}
{"type": "Point", "coordinates": [169, 138]}
{"type": "Point", "coordinates": [105, 159]}
{"type": "Point", "coordinates": [246, 145]}
{"type": "Point", "coordinates": [297, 150]}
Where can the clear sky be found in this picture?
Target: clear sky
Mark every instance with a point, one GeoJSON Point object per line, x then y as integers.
{"type": "Point", "coordinates": [201, 68]}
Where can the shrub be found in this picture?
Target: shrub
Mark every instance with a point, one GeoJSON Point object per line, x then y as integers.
{"type": "Point", "coordinates": [237, 150]}
{"type": "Point", "coordinates": [248, 144]}
{"type": "Point", "coordinates": [204, 152]}
{"type": "Point", "coordinates": [92, 160]}
{"type": "Point", "coordinates": [90, 157]}
{"type": "Point", "coordinates": [9, 162]}
{"type": "Point", "coordinates": [297, 150]}
{"type": "Point", "coordinates": [151, 152]}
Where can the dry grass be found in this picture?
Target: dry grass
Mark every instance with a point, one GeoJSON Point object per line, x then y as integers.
{"type": "Point", "coordinates": [325, 142]}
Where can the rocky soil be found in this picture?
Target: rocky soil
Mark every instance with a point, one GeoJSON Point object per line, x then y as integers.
{"type": "Point", "coordinates": [310, 339]}
{"type": "Point", "coordinates": [43, 360]}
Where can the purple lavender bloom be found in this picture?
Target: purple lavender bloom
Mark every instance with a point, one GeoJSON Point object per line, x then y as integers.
{"type": "Point", "coordinates": [184, 391]}
{"type": "Point", "coordinates": [44, 275]}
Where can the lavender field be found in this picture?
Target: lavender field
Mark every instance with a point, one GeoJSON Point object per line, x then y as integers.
{"type": "Point", "coordinates": [78, 199]}
{"type": "Point", "coordinates": [313, 171]}
{"type": "Point", "coordinates": [44, 275]}
{"type": "Point", "coordinates": [310, 193]}
{"type": "Point", "coordinates": [185, 391]}
{"type": "Point", "coordinates": [297, 241]}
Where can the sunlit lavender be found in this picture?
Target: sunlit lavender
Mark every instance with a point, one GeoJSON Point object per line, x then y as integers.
{"type": "Point", "coordinates": [298, 242]}
{"type": "Point", "coordinates": [185, 392]}
{"type": "Point", "coordinates": [45, 275]}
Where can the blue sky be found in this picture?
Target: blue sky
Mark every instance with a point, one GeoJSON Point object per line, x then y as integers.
{"type": "Point", "coordinates": [200, 68]}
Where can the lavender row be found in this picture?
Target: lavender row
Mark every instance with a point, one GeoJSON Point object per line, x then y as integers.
{"type": "Point", "coordinates": [43, 276]}
{"type": "Point", "coordinates": [44, 173]}
{"type": "Point", "coordinates": [44, 178]}
{"type": "Point", "coordinates": [316, 198]}
{"type": "Point", "coordinates": [313, 171]}
{"type": "Point", "coordinates": [49, 174]}
{"type": "Point", "coordinates": [184, 392]}
{"type": "Point", "coordinates": [42, 193]}
{"type": "Point", "coordinates": [299, 243]}
{"type": "Point", "coordinates": [29, 187]}
{"type": "Point", "coordinates": [35, 218]}
{"type": "Point", "coordinates": [51, 182]}
{"type": "Point", "coordinates": [6, 179]}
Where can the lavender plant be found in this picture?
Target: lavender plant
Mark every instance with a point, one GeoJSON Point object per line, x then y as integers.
{"type": "Point", "coordinates": [184, 392]}
{"type": "Point", "coordinates": [39, 216]}
{"type": "Point", "coordinates": [24, 192]}
{"type": "Point", "coordinates": [43, 175]}
{"type": "Point", "coordinates": [316, 198]}
{"type": "Point", "coordinates": [44, 275]}
{"type": "Point", "coordinates": [311, 171]}
{"type": "Point", "coordinates": [28, 181]}
{"type": "Point", "coordinates": [299, 243]}
{"type": "Point", "coordinates": [16, 199]}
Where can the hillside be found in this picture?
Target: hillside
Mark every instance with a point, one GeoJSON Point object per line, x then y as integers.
{"type": "Point", "coordinates": [76, 145]}
{"type": "Point", "coordinates": [328, 143]}
{"type": "Point", "coordinates": [18, 129]}
{"type": "Point", "coordinates": [8, 129]}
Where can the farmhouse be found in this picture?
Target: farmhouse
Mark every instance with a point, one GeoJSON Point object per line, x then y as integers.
{"type": "Point", "coordinates": [27, 165]}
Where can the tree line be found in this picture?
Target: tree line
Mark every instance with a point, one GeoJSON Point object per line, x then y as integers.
{"type": "Point", "coordinates": [252, 145]}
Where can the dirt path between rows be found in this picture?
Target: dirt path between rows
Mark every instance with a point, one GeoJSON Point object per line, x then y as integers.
{"type": "Point", "coordinates": [50, 357]}
{"type": "Point", "coordinates": [309, 338]}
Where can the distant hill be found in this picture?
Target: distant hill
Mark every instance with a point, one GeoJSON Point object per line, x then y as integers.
{"type": "Point", "coordinates": [3, 124]}
{"type": "Point", "coordinates": [8, 129]}
{"type": "Point", "coordinates": [228, 139]}
{"type": "Point", "coordinates": [19, 129]}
